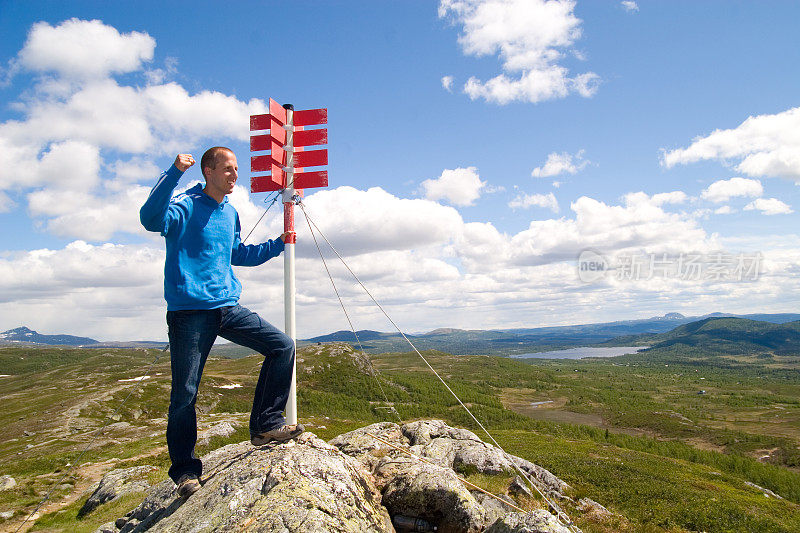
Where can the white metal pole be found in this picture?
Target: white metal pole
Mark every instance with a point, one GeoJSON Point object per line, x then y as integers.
{"type": "Point", "coordinates": [288, 259]}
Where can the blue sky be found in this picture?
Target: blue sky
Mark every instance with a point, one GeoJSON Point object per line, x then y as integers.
{"type": "Point", "coordinates": [634, 129]}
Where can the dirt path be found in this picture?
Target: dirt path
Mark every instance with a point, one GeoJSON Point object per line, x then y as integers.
{"type": "Point", "coordinates": [88, 475]}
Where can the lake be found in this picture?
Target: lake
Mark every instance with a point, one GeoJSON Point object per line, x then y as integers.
{"type": "Point", "coordinates": [580, 353]}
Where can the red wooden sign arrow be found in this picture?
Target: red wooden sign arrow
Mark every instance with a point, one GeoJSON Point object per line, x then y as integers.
{"type": "Point", "coordinates": [275, 143]}
{"type": "Point", "coordinates": [311, 137]}
{"type": "Point", "coordinates": [308, 180]}
{"type": "Point", "coordinates": [310, 158]}
{"type": "Point", "coordinates": [302, 180]}
{"type": "Point", "coordinates": [264, 184]}
{"type": "Point", "coordinates": [268, 122]}
{"type": "Point", "coordinates": [277, 111]}
{"type": "Point", "coordinates": [260, 143]}
{"type": "Point", "coordinates": [310, 117]}
{"type": "Point", "coordinates": [263, 163]}
{"type": "Point", "coordinates": [259, 122]}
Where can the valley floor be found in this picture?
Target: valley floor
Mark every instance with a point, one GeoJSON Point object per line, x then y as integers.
{"type": "Point", "coordinates": [633, 433]}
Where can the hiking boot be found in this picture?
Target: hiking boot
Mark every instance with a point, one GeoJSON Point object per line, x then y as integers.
{"type": "Point", "coordinates": [188, 484]}
{"type": "Point", "coordinates": [281, 434]}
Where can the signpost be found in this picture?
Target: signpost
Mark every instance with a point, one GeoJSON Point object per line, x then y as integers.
{"type": "Point", "coordinates": [285, 163]}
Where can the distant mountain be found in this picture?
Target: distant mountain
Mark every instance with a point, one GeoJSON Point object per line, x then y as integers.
{"type": "Point", "coordinates": [730, 336]}
{"type": "Point", "coordinates": [452, 340]}
{"type": "Point", "coordinates": [23, 335]}
{"type": "Point", "coordinates": [347, 336]}
{"type": "Point", "coordinates": [669, 316]}
{"type": "Point", "coordinates": [525, 340]}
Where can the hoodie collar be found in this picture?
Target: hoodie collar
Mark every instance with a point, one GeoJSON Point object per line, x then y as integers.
{"type": "Point", "coordinates": [197, 191]}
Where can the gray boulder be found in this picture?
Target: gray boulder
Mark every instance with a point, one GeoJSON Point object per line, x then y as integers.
{"type": "Point", "coordinates": [493, 507]}
{"type": "Point", "coordinates": [354, 483]}
{"type": "Point", "coordinates": [223, 429]}
{"type": "Point", "coordinates": [539, 521]}
{"type": "Point", "coordinates": [423, 432]}
{"type": "Point", "coordinates": [298, 486]}
{"type": "Point", "coordinates": [461, 449]}
{"type": "Point", "coordinates": [587, 505]}
{"type": "Point", "coordinates": [464, 454]}
{"type": "Point", "coordinates": [519, 487]}
{"type": "Point", "coordinates": [433, 493]}
{"type": "Point", "coordinates": [116, 483]}
{"type": "Point", "coordinates": [545, 479]}
{"type": "Point", "coordinates": [7, 482]}
{"type": "Point", "coordinates": [362, 446]}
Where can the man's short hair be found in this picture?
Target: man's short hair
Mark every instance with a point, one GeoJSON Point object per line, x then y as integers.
{"type": "Point", "coordinates": [209, 158]}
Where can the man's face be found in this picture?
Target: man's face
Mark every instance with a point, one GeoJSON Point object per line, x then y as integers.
{"type": "Point", "coordinates": [221, 179]}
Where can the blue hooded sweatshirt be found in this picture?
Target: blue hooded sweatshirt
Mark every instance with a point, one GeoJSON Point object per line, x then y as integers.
{"type": "Point", "coordinates": [203, 243]}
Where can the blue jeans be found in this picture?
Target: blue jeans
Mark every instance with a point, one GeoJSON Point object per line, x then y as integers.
{"type": "Point", "coordinates": [191, 335]}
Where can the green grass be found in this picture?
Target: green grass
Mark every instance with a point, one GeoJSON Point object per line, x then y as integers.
{"type": "Point", "coordinates": [652, 492]}
{"type": "Point", "coordinates": [685, 473]}
{"type": "Point", "coordinates": [67, 519]}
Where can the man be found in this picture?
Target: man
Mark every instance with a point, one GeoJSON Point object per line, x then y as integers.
{"type": "Point", "coordinates": [202, 233]}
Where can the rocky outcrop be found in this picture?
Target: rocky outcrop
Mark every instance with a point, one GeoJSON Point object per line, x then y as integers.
{"type": "Point", "coordinates": [432, 491]}
{"type": "Point", "coordinates": [115, 484]}
{"type": "Point", "coordinates": [493, 507]}
{"type": "Point", "coordinates": [355, 483]}
{"type": "Point", "coordinates": [429, 492]}
{"type": "Point", "coordinates": [361, 445]}
{"type": "Point", "coordinates": [461, 449]}
{"type": "Point", "coordinates": [534, 522]}
{"type": "Point", "coordinates": [303, 485]}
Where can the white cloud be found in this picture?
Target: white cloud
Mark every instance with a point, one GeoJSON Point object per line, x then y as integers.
{"type": "Point", "coordinates": [458, 186]}
{"type": "Point", "coordinates": [6, 203]}
{"type": "Point", "coordinates": [530, 37]}
{"type": "Point", "coordinates": [344, 213]}
{"type": "Point", "coordinates": [630, 6]}
{"type": "Point", "coordinates": [134, 169]}
{"type": "Point", "coordinates": [674, 197]}
{"type": "Point", "coordinates": [68, 165]}
{"type": "Point", "coordinates": [87, 216]}
{"type": "Point", "coordinates": [83, 131]}
{"type": "Point", "coordinates": [84, 48]}
{"type": "Point", "coordinates": [560, 163]}
{"type": "Point", "coordinates": [723, 190]}
{"type": "Point", "coordinates": [640, 224]}
{"type": "Point", "coordinates": [447, 83]}
{"type": "Point", "coordinates": [524, 201]}
{"type": "Point", "coordinates": [85, 139]}
{"type": "Point", "coordinates": [108, 291]}
{"type": "Point", "coordinates": [724, 210]}
{"type": "Point", "coordinates": [769, 206]}
{"type": "Point", "coordinates": [761, 146]}
{"type": "Point", "coordinates": [156, 119]}
{"type": "Point", "coordinates": [423, 262]}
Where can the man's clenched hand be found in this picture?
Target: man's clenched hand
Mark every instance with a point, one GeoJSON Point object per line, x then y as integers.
{"type": "Point", "coordinates": [184, 161]}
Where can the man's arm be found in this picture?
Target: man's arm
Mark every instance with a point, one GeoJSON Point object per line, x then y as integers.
{"type": "Point", "coordinates": [153, 213]}
{"type": "Point", "coordinates": [254, 254]}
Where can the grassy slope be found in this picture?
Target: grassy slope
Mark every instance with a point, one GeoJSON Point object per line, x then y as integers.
{"type": "Point", "coordinates": [657, 481]}
{"type": "Point", "coordinates": [730, 336]}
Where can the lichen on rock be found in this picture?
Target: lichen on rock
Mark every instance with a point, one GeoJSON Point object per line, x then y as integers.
{"type": "Point", "coordinates": [355, 483]}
